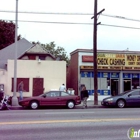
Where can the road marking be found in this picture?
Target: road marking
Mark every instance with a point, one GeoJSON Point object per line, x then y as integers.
{"type": "Point", "coordinates": [69, 121]}
{"type": "Point", "coordinates": [69, 112]}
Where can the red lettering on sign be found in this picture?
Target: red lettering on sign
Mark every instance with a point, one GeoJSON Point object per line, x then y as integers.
{"type": "Point", "coordinates": [87, 58]}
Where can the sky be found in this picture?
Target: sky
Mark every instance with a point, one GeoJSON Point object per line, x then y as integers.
{"type": "Point", "coordinates": [77, 36]}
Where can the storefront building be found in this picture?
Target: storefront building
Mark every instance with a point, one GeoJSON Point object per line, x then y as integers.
{"type": "Point", "coordinates": [118, 71]}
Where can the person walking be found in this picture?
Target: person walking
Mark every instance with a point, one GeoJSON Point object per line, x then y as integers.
{"type": "Point", "coordinates": [62, 88]}
{"type": "Point", "coordinates": [84, 96]}
{"type": "Point", "coordinates": [20, 90]}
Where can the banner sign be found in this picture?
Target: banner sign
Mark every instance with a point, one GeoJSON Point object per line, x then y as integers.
{"type": "Point", "coordinates": [115, 61]}
{"type": "Point", "coordinates": [111, 59]}
{"type": "Point", "coordinates": [132, 60]}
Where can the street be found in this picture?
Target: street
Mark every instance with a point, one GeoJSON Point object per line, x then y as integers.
{"type": "Point", "coordinates": [69, 124]}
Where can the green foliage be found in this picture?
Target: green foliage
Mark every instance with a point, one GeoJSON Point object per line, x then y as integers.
{"type": "Point", "coordinates": [58, 52]}
{"type": "Point", "coordinates": [7, 33]}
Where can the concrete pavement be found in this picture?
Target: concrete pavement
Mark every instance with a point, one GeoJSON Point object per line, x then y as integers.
{"type": "Point", "coordinates": [90, 104]}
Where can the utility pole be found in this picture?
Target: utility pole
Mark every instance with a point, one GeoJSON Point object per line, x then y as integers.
{"type": "Point", "coordinates": [14, 98]}
{"type": "Point", "coordinates": [95, 52]}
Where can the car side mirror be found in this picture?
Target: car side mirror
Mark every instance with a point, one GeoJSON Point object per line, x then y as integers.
{"type": "Point", "coordinates": [44, 96]}
{"type": "Point", "coordinates": [129, 95]}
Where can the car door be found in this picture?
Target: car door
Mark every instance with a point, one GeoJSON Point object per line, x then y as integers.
{"type": "Point", "coordinates": [65, 97]}
{"type": "Point", "coordinates": [133, 98]}
{"type": "Point", "coordinates": [51, 98]}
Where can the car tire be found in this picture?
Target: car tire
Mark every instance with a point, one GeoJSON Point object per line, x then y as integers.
{"type": "Point", "coordinates": [121, 103]}
{"type": "Point", "coordinates": [34, 105]}
{"type": "Point", "coordinates": [70, 104]}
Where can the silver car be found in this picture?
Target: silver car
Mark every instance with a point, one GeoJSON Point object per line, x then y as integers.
{"type": "Point", "coordinates": [128, 98]}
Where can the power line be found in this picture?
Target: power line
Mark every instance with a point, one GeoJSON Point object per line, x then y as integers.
{"type": "Point", "coordinates": [76, 14]}
{"type": "Point", "coordinates": [75, 23]}
{"type": "Point", "coordinates": [51, 22]}
{"type": "Point", "coordinates": [121, 26]}
{"type": "Point", "coordinates": [49, 13]}
{"type": "Point", "coordinates": [120, 17]}
{"type": "Point", "coordinates": [56, 13]}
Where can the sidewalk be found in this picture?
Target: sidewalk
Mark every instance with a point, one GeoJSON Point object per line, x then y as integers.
{"type": "Point", "coordinates": [90, 104]}
{"type": "Point", "coordinates": [15, 107]}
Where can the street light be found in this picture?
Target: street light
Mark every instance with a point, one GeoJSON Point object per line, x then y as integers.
{"type": "Point", "coordinates": [14, 98]}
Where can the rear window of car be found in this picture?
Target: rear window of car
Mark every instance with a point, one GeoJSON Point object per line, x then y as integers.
{"type": "Point", "coordinates": [52, 94]}
{"type": "Point", "coordinates": [64, 94]}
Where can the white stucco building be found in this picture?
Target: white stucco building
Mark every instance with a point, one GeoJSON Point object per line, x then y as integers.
{"type": "Point", "coordinates": [36, 67]}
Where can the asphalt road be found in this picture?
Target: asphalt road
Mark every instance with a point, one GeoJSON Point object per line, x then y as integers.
{"type": "Point", "coordinates": [69, 124]}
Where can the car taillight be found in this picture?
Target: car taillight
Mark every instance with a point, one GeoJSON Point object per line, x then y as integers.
{"type": "Point", "coordinates": [78, 97]}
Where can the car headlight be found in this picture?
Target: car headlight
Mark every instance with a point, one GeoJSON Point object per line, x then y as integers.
{"type": "Point", "coordinates": [110, 99]}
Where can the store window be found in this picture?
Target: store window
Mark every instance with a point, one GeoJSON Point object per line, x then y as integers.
{"type": "Point", "coordinates": [105, 81]}
{"type": "Point", "coordinates": [135, 81]}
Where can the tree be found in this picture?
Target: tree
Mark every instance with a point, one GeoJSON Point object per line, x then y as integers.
{"type": "Point", "coordinates": [58, 52]}
{"type": "Point", "coordinates": [7, 33]}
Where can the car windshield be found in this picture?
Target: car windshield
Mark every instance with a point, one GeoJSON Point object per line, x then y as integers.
{"type": "Point", "coordinates": [125, 92]}
{"type": "Point", "coordinates": [42, 94]}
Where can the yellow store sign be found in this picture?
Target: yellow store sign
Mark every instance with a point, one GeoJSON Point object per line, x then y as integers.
{"type": "Point", "coordinates": [115, 61]}
{"type": "Point", "coordinates": [132, 60]}
{"type": "Point", "coordinates": [111, 59]}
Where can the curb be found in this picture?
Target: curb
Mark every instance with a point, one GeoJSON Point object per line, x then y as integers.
{"type": "Point", "coordinates": [90, 104]}
{"type": "Point", "coordinates": [15, 107]}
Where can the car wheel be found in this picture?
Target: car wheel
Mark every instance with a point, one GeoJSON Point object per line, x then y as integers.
{"type": "Point", "coordinates": [70, 104]}
{"type": "Point", "coordinates": [121, 103]}
{"type": "Point", "coordinates": [34, 105]}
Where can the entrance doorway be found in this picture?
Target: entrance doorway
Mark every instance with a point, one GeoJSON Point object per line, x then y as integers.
{"type": "Point", "coordinates": [38, 86]}
{"type": "Point", "coordinates": [127, 84]}
{"type": "Point", "coordinates": [135, 83]}
{"type": "Point", "coordinates": [114, 87]}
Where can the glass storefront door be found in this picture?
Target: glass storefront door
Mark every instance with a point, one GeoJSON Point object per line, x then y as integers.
{"type": "Point", "coordinates": [126, 84]}
{"type": "Point", "coordinates": [114, 87]}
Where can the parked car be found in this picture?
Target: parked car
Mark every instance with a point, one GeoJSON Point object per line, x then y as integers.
{"type": "Point", "coordinates": [128, 98]}
{"type": "Point", "coordinates": [51, 98]}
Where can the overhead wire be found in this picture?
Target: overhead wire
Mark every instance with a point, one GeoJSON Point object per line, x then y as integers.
{"type": "Point", "coordinates": [121, 17]}
{"type": "Point", "coordinates": [75, 23]}
{"type": "Point", "coordinates": [49, 13]}
{"type": "Point", "coordinates": [113, 16]}
{"type": "Point", "coordinates": [56, 13]}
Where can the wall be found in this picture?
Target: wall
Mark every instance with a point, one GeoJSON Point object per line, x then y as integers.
{"type": "Point", "coordinates": [53, 72]}
{"type": "Point", "coordinates": [3, 78]}
{"type": "Point", "coordinates": [85, 63]}
{"type": "Point", "coordinates": [73, 73]}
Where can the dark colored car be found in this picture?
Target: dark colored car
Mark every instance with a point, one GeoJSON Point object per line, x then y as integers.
{"type": "Point", "coordinates": [128, 98]}
{"type": "Point", "coordinates": [51, 98]}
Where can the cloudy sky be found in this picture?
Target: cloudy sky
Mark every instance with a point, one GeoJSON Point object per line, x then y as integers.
{"type": "Point", "coordinates": [77, 36]}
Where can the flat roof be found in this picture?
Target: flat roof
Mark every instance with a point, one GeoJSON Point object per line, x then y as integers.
{"type": "Point", "coordinates": [105, 51]}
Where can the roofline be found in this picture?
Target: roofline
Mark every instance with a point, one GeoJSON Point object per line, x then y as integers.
{"type": "Point", "coordinates": [25, 50]}
{"type": "Point", "coordinates": [105, 51]}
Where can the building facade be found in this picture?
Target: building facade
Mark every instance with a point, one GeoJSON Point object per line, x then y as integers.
{"type": "Point", "coordinates": [118, 71]}
{"type": "Point", "coordinates": [38, 69]}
